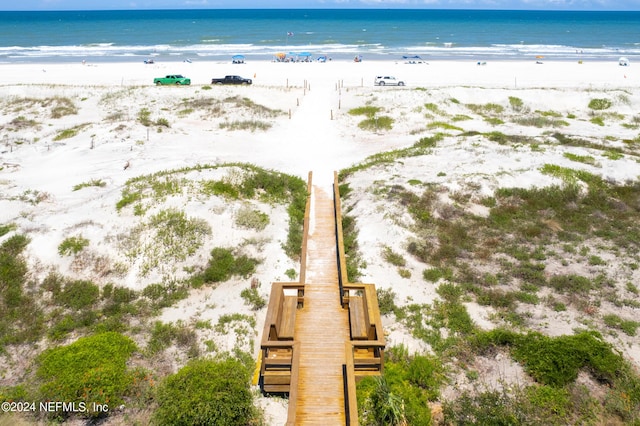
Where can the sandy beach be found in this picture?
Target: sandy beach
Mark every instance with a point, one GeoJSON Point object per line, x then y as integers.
{"type": "Point", "coordinates": [309, 128]}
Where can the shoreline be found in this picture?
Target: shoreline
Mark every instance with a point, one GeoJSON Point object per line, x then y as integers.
{"type": "Point", "coordinates": [424, 74]}
{"type": "Point", "coordinates": [337, 57]}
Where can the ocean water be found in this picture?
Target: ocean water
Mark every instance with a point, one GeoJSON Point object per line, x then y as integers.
{"type": "Point", "coordinates": [260, 34]}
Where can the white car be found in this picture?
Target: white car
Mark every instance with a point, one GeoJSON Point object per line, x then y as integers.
{"type": "Point", "coordinates": [387, 81]}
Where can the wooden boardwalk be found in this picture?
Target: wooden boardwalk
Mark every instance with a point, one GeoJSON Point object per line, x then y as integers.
{"type": "Point", "coordinates": [321, 334]}
{"type": "Point", "coordinates": [320, 387]}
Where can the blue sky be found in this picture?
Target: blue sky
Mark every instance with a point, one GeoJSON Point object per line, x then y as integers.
{"type": "Point", "coordinates": [214, 4]}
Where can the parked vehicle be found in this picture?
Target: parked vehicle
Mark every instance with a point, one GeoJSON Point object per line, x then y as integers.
{"type": "Point", "coordinates": [231, 79]}
{"type": "Point", "coordinates": [387, 81]}
{"type": "Point", "coordinates": [176, 79]}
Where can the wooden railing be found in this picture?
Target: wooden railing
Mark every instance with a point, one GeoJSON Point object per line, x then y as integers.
{"type": "Point", "coordinates": [293, 392]}
{"type": "Point", "coordinates": [367, 336]}
{"type": "Point", "coordinates": [337, 208]}
{"type": "Point", "coordinates": [278, 368]}
{"type": "Point", "coordinates": [305, 233]}
{"type": "Point", "coordinates": [350, 398]}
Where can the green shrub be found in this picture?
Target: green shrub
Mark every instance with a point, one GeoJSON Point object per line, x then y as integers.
{"type": "Point", "coordinates": [571, 283]}
{"type": "Point", "coordinates": [5, 229]}
{"type": "Point", "coordinates": [556, 361]}
{"type": "Point", "coordinates": [66, 134]}
{"type": "Point", "coordinates": [532, 405]}
{"type": "Point", "coordinates": [540, 121]}
{"type": "Point", "coordinates": [600, 104]}
{"type": "Point", "coordinates": [291, 274]}
{"type": "Point", "coordinates": [62, 106]}
{"type": "Point", "coordinates": [144, 117]}
{"type": "Point", "coordinates": [489, 108]}
{"type": "Point", "coordinates": [587, 159]}
{"type": "Point", "coordinates": [443, 125]}
{"type": "Point", "coordinates": [164, 335]}
{"type": "Point", "coordinates": [498, 137]}
{"type": "Point", "coordinates": [221, 188]}
{"type": "Point", "coordinates": [401, 395]}
{"type": "Point", "coordinates": [61, 328]}
{"type": "Point", "coordinates": [251, 125]}
{"type": "Point", "coordinates": [433, 108]}
{"type": "Point", "coordinates": [404, 273]}
{"type": "Point", "coordinates": [434, 274]}
{"type": "Point", "coordinates": [178, 235]}
{"type": "Point", "coordinates": [629, 327]}
{"type": "Point", "coordinates": [72, 245]}
{"type": "Point", "coordinates": [93, 182]}
{"type": "Point", "coordinates": [223, 265]}
{"type": "Point", "coordinates": [375, 124]}
{"type": "Point", "coordinates": [369, 111]}
{"type": "Point", "coordinates": [516, 103]}
{"type": "Point", "coordinates": [225, 321]}
{"type": "Point", "coordinates": [252, 298]}
{"type": "Point", "coordinates": [165, 295]}
{"type": "Point", "coordinates": [386, 301]}
{"type": "Point", "coordinates": [91, 370]}
{"type": "Point", "coordinates": [21, 318]}
{"type": "Point", "coordinates": [254, 108]}
{"type": "Point", "coordinates": [494, 121]}
{"type": "Point", "coordinates": [460, 117]}
{"type": "Point", "coordinates": [249, 218]}
{"type": "Point", "coordinates": [162, 122]}
{"type": "Point", "coordinates": [392, 257]}
{"type": "Point", "coordinates": [207, 392]}
{"type": "Point", "coordinates": [613, 155]}
{"type": "Point", "coordinates": [449, 292]}
{"type": "Point", "coordinates": [78, 294]}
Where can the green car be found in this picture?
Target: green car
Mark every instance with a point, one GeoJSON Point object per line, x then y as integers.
{"type": "Point", "coordinates": [172, 79]}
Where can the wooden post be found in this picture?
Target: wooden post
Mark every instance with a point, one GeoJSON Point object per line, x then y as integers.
{"type": "Point", "coordinates": [331, 114]}
{"type": "Point", "coordinates": [297, 101]}
{"type": "Point", "coordinates": [339, 103]}
{"type": "Point", "coordinates": [289, 113]}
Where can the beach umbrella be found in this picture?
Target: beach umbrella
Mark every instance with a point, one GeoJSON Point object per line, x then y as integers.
{"type": "Point", "coordinates": [623, 62]}
{"type": "Point", "coordinates": [237, 59]}
{"type": "Point", "coordinates": [280, 56]}
{"type": "Point", "coordinates": [305, 54]}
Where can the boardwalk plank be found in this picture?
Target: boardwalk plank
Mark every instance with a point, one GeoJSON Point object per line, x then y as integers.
{"type": "Point", "coordinates": [322, 325]}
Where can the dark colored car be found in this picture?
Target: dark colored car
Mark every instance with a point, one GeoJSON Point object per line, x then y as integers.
{"type": "Point", "coordinates": [231, 79]}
